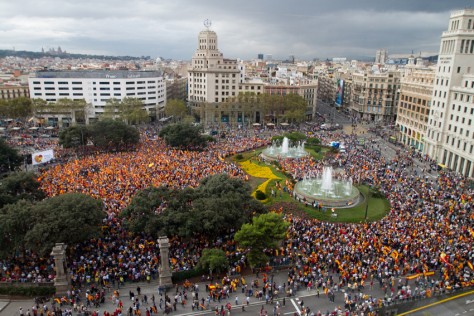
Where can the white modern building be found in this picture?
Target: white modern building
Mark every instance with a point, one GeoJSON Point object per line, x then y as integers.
{"type": "Point", "coordinates": [450, 134]}
{"type": "Point", "coordinates": [98, 86]}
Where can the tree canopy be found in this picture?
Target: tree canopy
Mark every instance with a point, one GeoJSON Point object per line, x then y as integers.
{"type": "Point", "coordinates": [213, 260]}
{"type": "Point", "coordinates": [183, 135]}
{"type": "Point", "coordinates": [74, 136]}
{"type": "Point", "coordinates": [219, 204]}
{"type": "Point", "coordinates": [68, 218]}
{"type": "Point", "coordinates": [16, 220]}
{"type": "Point", "coordinates": [177, 109]}
{"type": "Point", "coordinates": [16, 108]}
{"type": "Point", "coordinates": [9, 157]}
{"type": "Point", "coordinates": [113, 135]}
{"type": "Point", "coordinates": [128, 110]}
{"type": "Point", "coordinates": [20, 186]}
{"type": "Point", "coordinates": [264, 233]}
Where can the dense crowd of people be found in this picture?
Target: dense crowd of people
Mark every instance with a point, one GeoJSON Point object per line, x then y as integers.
{"type": "Point", "coordinates": [428, 229]}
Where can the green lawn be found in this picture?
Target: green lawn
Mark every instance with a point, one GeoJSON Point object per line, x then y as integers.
{"type": "Point", "coordinates": [376, 210]}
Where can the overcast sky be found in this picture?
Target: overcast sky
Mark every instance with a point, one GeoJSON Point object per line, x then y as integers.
{"type": "Point", "coordinates": [306, 29]}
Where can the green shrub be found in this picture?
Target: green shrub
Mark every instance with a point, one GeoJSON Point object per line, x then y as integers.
{"type": "Point", "coordinates": [376, 194]}
{"type": "Point", "coordinates": [313, 141]}
{"type": "Point", "coordinates": [27, 290]}
{"type": "Point", "coordinates": [295, 136]}
{"type": "Point", "coordinates": [188, 274]}
{"type": "Point", "coordinates": [277, 138]}
{"type": "Point", "coordinates": [259, 195]}
{"type": "Point", "coordinates": [239, 157]}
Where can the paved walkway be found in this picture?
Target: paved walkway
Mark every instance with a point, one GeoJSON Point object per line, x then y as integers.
{"type": "Point", "coordinates": [290, 304]}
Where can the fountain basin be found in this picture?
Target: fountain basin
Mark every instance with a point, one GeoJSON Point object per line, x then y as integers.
{"type": "Point", "coordinates": [327, 191]}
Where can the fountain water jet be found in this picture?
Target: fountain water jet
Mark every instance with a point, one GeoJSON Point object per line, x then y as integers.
{"type": "Point", "coordinates": [275, 151]}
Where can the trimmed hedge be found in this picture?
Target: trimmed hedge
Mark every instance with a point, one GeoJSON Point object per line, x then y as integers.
{"type": "Point", "coordinates": [188, 274]}
{"type": "Point", "coordinates": [259, 195]}
{"type": "Point", "coordinates": [25, 290]}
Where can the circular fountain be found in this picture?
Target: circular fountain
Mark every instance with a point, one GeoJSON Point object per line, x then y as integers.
{"type": "Point", "coordinates": [327, 191]}
{"type": "Point", "coordinates": [276, 151]}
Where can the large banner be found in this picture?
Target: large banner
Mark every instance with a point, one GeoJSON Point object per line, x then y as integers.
{"type": "Point", "coordinates": [42, 156]}
{"type": "Point", "coordinates": [340, 92]}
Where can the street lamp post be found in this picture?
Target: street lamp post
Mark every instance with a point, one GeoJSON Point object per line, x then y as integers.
{"type": "Point", "coordinates": [367, 203]}
{"type": "Point", "coordinates": [272, 286]}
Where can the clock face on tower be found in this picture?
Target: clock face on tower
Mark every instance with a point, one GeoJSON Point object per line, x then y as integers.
{"type": "Point", "coordinates": [207, 23]}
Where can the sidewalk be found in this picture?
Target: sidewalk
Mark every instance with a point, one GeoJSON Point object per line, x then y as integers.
{"type": "Point", "coordinates": [150, 289]}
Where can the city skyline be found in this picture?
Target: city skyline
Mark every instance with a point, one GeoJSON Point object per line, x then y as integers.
{"type": "Point", "coordinates": [310, 29]}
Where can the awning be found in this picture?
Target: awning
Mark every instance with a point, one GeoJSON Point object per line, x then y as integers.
{"type": "Point", "coordinates": [270, 124]}
{"type": "Point", "coordinates": [50, 127]}
{"type": "Point", "coordinates": [284, 124]}
{"type": "Point", "coordinates": [16, 128]}
{"type": "Point", "coordinates": [34, 128]}
{"type": "Point", "coordinates": [256, 124]}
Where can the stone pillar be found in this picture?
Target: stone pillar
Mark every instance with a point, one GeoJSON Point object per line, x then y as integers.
{"type": "Point", "coordinates": [164, 269]}
{"type": "Point", "coordinates": [61, 280]}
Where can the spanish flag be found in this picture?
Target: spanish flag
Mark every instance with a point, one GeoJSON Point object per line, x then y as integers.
{"type": "Point", "coordinates": [469, 264]}
{"type": "Point", "coordinates": [443, 258]}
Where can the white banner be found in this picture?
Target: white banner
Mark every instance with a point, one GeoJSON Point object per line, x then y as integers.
{"type": "Point", "coordinates": [42, 156]}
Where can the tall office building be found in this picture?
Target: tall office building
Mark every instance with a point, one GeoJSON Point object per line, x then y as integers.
{"type": "Point", "coordinates": [212, 78]}
{"type": "Point", "coordinates": [381, 56]}
{"type": "Point", "coordinates": [450, 134]}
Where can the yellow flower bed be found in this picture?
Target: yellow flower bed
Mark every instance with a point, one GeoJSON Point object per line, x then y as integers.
{"type": "Point", "coordinates": [257, 171]}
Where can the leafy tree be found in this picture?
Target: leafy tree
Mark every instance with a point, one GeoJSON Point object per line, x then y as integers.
{"type": "Point", "coordinates": [265, 232]}
{"type": "Point", "coordinates": [221, 192]}
{"type": "Point", "coordinates": [218, 205]}
{"type": "Point", "coordinates": [294, 107]}
{"type": "Point", "coordinates": [132, 111]}
{"type": "Point", "coordinates": [75, 108]}
{"type": "Point", "coordinates": [68, 218]}
{"type": "Point", "coordinates": [74, 136]}
{"type": "Point", "coordinates": [111, 110]}
{"type": "Point", "coordinates": [15, 222]}
{"type": "Point", "coordinates": [9, 157]}
{"type": "Point", "coordinates": [183, 135]}
{"type": "Point", "coordinates": [20, 186]}
{"type": "Point", "coordinates": [213, 260]}
{"type": "Point", "coordinates": [16, 108]}
{"type": "Point", "coordinates": [142, 213]}
{"type": "Point", "coordinates": [177, 109]}
{"type": "Point", "coordinates": [113, 135]}
{"type": "Point", "coordinates": [128, 110]}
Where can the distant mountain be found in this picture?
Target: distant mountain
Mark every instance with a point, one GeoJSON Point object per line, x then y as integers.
{"type": "Point", "coordinates": [28, 54]}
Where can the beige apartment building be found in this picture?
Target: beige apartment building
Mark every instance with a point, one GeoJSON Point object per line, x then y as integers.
{"type": "Point", "coordinates": [416, 90]}
{"type": "Point", "coordinates": [375, 95]}
{"type": "Point", "coordinates": [8, 92]}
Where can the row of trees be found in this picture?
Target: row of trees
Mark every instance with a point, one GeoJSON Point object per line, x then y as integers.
{"type": "Point", "coordinates": [289, 108]}
{"type": "Point", "coordinates": [127, 110]}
